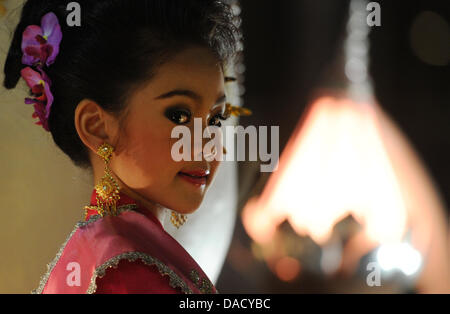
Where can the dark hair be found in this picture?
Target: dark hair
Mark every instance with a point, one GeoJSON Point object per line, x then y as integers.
{"type": "Point", "coordinates": [115, 50]}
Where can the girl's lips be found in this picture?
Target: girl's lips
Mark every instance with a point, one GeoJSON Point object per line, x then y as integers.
{"type": "Point", "coordinates": [196, 173]}
{"type": "Point", "coordinates": [198, 177]}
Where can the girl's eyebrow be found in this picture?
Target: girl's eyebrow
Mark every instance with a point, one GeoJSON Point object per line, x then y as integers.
{"type": "Point", "coordinates": [189, 93]}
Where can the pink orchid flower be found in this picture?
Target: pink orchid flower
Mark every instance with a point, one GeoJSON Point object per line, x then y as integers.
{"type": "Point", "coordinates": [40, 88]}
{"type": "Point", "coordinates": [40, 44]}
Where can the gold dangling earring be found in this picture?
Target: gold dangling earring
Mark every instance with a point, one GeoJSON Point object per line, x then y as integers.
{"type": "Point", "coordinates": [107, 189]}
{"type": "Point", "coordinates": [178, 219]}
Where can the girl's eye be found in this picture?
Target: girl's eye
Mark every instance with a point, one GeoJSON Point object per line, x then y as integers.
{"type": "Point", "coordinates": [215, 121]}
{"type": "Point", "coordinates": [178, 116]}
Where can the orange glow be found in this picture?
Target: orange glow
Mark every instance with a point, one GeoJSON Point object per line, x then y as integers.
{"type": "Point", "coordinates": [335, 166]}
{"type": "Point", "coordinates": [287, 268]}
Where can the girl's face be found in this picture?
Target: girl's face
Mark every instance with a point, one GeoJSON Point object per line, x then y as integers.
{"type": "Point", "coordinates": [190, 85]}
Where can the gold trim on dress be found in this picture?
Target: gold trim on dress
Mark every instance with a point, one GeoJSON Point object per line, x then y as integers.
{"type": "Point", "coordinates": [174, 280]}
{"type": "Point", "coordinates": [203, 284]}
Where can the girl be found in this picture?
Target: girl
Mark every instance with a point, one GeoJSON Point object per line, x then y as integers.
{"type": "Point", "coordinates": [110, 90]}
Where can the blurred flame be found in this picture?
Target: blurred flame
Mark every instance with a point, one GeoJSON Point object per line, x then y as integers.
{"type": "Point", "coordinates": [347, 158]}
{"type": "Point", "coordinates": [337, 165]}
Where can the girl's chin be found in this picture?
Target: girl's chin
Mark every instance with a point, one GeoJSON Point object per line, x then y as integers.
{"type": "Point", "coordinates": [187, 208]}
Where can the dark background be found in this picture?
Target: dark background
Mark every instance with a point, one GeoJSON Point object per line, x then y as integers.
{"type": "Point", "coordinates": [289, 45]}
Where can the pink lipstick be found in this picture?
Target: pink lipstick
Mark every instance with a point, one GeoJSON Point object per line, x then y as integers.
{"type": "Point", "coordinates": [196, 177]}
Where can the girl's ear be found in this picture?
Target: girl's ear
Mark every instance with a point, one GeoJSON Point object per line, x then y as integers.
{"type": "Point", "coordinates": [94, 126]}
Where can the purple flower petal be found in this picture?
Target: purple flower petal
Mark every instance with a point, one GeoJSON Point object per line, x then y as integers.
{"type": "Point", "coordinates": [39, 113]}
{"type": "Point", "coordinates": [44, 76]}
{"type": "Point", "coordinates": [42, 44]}
{"type": "Point", "coordinates": [30, 101]}
{"type": "Point", "coordinates": [46, 51]}
{"type": "Point", "coordinates": [38, 90]}
{"type": "Point", "coordinates": [33, 51]}
{"type": "Point", "coordinates": [30, 45]}
{"type": "Point", "coordinates": [29, 60]}
{"type": "Point", "coordinates": [49, 95]}
{"type": "Point", "coordinates": [31, 77]}
{"type": "Point", "coordinates": [44, 97]}
{"type": "Point", "coordinates": [52, 30]}
{"type": "Point", "coordinates": [29, 36]}
{"type": "Point", "coordinates": [48, 23]}
{"type": "Point", "coordinates": [39, 110]}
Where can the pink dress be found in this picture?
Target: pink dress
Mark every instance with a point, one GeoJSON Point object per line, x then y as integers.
{"type": "Point", "coordinates": [127, 253]}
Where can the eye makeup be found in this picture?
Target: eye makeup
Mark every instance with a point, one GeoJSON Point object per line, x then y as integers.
{"type": "Point", "coordinates": [178, 115]}
{"type": "Point", "coordinates": [181, 115]}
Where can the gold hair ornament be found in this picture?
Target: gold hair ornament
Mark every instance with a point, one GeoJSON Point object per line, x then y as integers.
{"type": "Point", "coordinates": [236, 111]}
